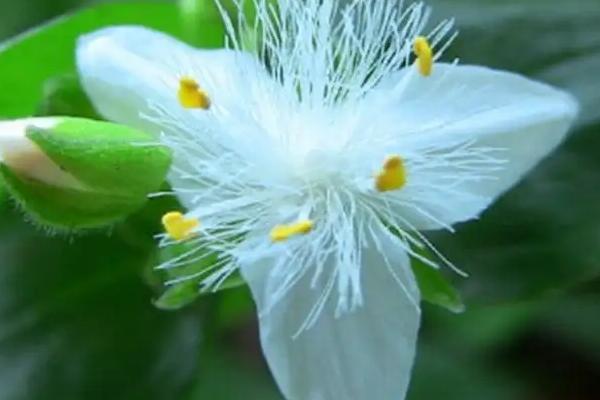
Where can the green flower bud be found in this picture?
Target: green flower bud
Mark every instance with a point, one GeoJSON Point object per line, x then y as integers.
{"type": "Point", "coordinates": [78, 173]}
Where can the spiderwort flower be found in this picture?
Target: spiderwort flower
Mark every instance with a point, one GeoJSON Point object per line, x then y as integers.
{"type": "Point", "coordinates": [312, 163]}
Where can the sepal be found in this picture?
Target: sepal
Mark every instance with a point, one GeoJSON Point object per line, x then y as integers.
{"type": "Point", "coordinates": [76, 173]}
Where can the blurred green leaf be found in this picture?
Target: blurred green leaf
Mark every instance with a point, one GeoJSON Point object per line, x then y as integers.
{"type": "Point", "coordinates": [199, 17]}
{"type": "Point", "coordinates": [228, 376]}
{"type": "Point", "coordinates": [178, 296]}
{"type": "Point", "coordinates": [540, 38]}
{"type": "Point", "coordinates": [574, 322]}
{"type": "Point", "coordinates": [20, 15]}
{"type": "Point", "coordinates": [541, 238]}
{"type": "Point", "coordinates": [198, 13]}
{"type": "Point", "coordinates": [588, 287]}
{"type": "Point", "coordinates": [184, 267]}
{"type": "Point", "coordinates": [481, 328]}
{"type": "Point", "coordinates": [28, 61]}
{"type": "Point", "coordinates": [76, 321]}
{"type": "Point", "coordinates": [442, 373]}
{"type": "Point", "coordinates": [235, 307]}
{"type": "Point", "coordinates": [63, 95]}
{"type": "Point", "coordinates": [461, 353]}
{"type": "Point", "coordinates": [3, 195]}
{"type": "Point", "coordinates": [143, 225]}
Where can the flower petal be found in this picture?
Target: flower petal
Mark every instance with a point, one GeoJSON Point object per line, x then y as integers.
{"type": "Point", "coordinates": [126, 69]}
{"type": "Point", "coordinates": [524, 120]}
{"type": "Point", "coordinates": [365, 354]}
{"type": "Point", "coordinates": [21, 154]}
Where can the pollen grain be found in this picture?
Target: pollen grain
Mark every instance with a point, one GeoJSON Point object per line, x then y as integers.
{"type": "Point", "coordinates": [392, 176]}
{"type": "Point", "coordinates": [424, 54]}
{"type": "Point", "coordinates": [282, 233]}
{"type": "Point", "coordinates": [191, 95]}
{"type": "Point", "coordinates": [177, 226]}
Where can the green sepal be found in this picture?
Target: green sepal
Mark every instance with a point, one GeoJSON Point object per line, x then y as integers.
{"type": "Point", "coordinates": [435, 288]}
{"type": "Point", "coordinates": [180, 294]}
{"type": "Point", "coordinates": [105, 156]}
{"type": "Point", "coordinates": [67, 208]}
{"type": "Point", "coordinates": [115, 168]}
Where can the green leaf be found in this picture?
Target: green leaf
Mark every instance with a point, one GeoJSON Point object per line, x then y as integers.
{"type": "Point", "coordinates": [435, 288]}
{"type": "Point", "coordinates": [30, 60]}
{"type": "Point", "coordinates": [76, 321]}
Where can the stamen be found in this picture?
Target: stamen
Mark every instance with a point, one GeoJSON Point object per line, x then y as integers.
{"type": "Point", "coordinates": [424, 53]}
{"type": "Point", "coordinates": [191, 95]}
{"type": "Point", "coordinates": [281, 233]}
{"type": "Point", "coordinates": [392, 176]}
{"type": "Point", "coordinates": [177, 226]}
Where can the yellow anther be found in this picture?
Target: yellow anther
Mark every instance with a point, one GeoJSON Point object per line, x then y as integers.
{"type": "Point", "coordinates": [392, 176]}
{"type": "Point", "coordinates": [281, 233]}
{"type": "Point", "coordinates": [191, 95]}
{"type": "Point", "coordinates": [177, 226]}
{"type": "Point", "coordinates": [424, 53]}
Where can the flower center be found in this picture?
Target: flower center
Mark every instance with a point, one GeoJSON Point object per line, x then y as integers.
{"type": "Point", "coordinates": [322, 167]}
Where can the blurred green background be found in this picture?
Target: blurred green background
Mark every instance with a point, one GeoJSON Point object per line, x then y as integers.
{"type": "Point", "coordinates": [76, 313]}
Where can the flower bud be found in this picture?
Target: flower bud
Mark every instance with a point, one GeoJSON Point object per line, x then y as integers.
{"type": "Point", "coordinates": [23, 156]}
{"type": "Point", "coordinates": [79, 173]}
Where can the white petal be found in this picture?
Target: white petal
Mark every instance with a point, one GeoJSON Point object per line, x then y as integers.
{"type": "Point", "coordinates": [124, 68]}
{"type": "Point", "coordinates": [523, 119]}
{"type": "Point", "coordinates": [366, 354]}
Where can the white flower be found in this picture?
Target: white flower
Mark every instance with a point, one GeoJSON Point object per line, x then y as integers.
{"type": "Point", "coordinates": [298, 161]}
